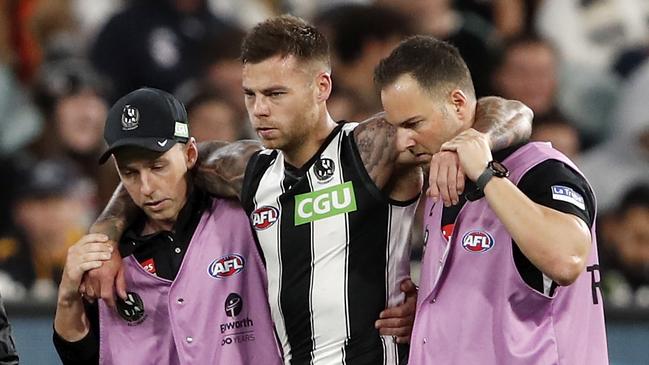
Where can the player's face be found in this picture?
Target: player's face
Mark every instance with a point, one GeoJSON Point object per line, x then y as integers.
{"type": "Point", "coordinates": [632, 237]}
{"type": "Point", "coordinates": [281, 97]}
{"type": "Point", "coordinates": [425, 121]}
{"type": "Point", "coordinates": [156, 181]}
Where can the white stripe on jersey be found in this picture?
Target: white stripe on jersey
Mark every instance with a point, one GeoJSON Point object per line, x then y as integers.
{"type": "Point", "coordinates": [396, 254]}
{"type": "Point", "coordinates": [273, 254]}
{"type": "Point", "coordinates": [398, 250]}
{"type": "Point", "coordinates": [329, 244]}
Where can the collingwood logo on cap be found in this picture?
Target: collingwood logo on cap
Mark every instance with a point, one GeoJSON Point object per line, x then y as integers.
{"type": "Point", "coordinates": [130, 118]}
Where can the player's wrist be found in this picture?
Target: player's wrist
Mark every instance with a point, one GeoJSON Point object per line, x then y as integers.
{"type": "Point", "coordinates": [68, 296]}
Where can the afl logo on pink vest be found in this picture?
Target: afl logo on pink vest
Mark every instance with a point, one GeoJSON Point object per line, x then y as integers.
{"type": "Point", "coordinates": [226, 266]}
{"type": "Point", "coordinates": [264, 217]}
{"type": "Point", "coordinates": [477, 241]}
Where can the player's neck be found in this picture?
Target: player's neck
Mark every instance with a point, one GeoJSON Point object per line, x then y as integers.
{"type": "Point", "coordinates": [304, 150]}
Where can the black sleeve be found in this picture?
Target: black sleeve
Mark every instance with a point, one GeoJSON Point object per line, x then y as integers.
{"type": "Point", "coordinates": [86, 350]}
{"type": "Point", "coordinates": [113, 50]}
{"type": "Point", "coordinates": [8, 354]}
{"type": "Point", "coordinates": [556, 185]}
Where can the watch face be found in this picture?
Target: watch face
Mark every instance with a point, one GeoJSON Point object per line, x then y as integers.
{"type": "Point", "coordinates": [499, 169]}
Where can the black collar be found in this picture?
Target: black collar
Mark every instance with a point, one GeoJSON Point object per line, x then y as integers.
{"type": "Point", "coordinates": [188, 218]}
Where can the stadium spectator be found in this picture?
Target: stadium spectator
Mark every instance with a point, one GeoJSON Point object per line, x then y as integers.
{"type": "Point", "coordinates": [51, 212]}
{"type": "Point", "coordinates": [212, 117]}
{"type": "Point", "coordinates": [153, 43]}
{"type": "Point", "coordinates": [72, 99]}
{"type": "Point", "coordinates": [592, 34]}
{"type": "Point", "coordinates": [625, 233]}
{"type": "Point", "coordinates": [560, 132]}
{"type": "Point", "coordinates": [529, 69]}
{"type": "Point", "coordinates": [615, 166]}
{"type": "Point", "coordinates": [360, 36]}
{"type": "Point", "coordinates": [476, 39]}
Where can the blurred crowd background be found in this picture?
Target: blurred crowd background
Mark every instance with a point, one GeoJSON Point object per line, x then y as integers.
{"type": "Point", "coordinates": [581, 65]}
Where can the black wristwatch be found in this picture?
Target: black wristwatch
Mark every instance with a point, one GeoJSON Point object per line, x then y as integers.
{"type": "Point", "coordinates": [494, 168]}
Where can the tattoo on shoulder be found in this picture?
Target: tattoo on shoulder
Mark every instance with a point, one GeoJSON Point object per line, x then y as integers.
{"type": "Point", "coordinates": [507, 122]}
{"type": "Point", "coordinates": [221, 166]}
{"type": "Point", "coordinates": [376, 141]}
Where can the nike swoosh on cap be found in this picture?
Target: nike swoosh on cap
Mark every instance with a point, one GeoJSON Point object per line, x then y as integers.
{"type": "Point", "coordinates": [164, 143]}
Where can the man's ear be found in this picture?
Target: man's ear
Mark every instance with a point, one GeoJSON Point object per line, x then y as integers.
{"type": "Point", "coordinates": [460, 104]}
{"type": "Point", "coordinates": [323, 86]}
{"type": "Point", "coordinates": [191, 153]}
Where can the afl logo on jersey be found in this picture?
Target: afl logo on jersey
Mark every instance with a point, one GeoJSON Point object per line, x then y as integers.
{"type": "Point", "coordinates": [264, 217]}
{"type": "Point", "coordinates": [477, 241]}
{"type": "Point", "coordinates": [226, 266]}
{"type": "Point", "coordinates": [324, 169]}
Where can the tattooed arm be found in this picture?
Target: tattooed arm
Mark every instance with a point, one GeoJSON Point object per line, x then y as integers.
{"type": "Point", "coordinates": [381, 155]}
{"type": "Point", "coordinates": [505, 122]}
{"type": "Point", "coordinates": [221, 166]}
{"type": "Point", "coordinates": [116, 217]}
{"type": "Point", "coordinates": [119, 213]}
{"type": "Point", "coordinates": [376, 141]}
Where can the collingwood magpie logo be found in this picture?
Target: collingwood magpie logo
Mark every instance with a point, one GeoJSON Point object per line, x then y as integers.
{"type": "Point", "coordinates": [324, 169]}
{"type": "Point", "coordinates": [131, 309]}
{"type": "Point", "coordinates": [130, 117]}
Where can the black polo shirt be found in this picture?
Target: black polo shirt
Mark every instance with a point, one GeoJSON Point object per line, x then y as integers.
{"type": "Point", "coordinates": [162, 252]}
{"type": "Point", "coordinates": [536, 184]}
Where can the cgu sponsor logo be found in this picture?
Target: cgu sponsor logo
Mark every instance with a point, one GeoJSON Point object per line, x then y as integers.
{"type": "Point", "coordinates": [264, 217]}
{"type": "Point", "coordinates": [324, 203]}
{"type": "Point", "coordinates": [226, 266]}
{"type": "Point", "coordinates": [477, 241]}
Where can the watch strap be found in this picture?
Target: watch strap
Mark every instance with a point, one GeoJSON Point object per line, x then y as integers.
{"type": "Point", "coordinates": [484, 178]}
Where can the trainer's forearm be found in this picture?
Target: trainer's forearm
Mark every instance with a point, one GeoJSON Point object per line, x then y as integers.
{"type": "Point", "coordinates": [505, 122]}
{"type": "Point", "coordinates": [70, 321]}
{"type": "Point", "coordinates": [117, 216]}
{"type": "Point", "coordinates": [556, 243]}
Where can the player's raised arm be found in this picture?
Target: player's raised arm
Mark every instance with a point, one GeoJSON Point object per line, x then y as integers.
{"type": "Point", "coordinates": [221, 166]}
{"type": "Point", "coordinates": [377, 144]}
{"type": "Point", "coordinates": [505, 122]}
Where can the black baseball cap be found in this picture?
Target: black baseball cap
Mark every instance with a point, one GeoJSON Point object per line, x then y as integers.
{"type": "Point", "coordinates": [149, 118]}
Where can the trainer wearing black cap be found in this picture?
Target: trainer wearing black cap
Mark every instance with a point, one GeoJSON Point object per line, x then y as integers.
{"type": "Point", "coordinates": [168, 309]}
{"type": "Point", "coordinates": [149, 118]}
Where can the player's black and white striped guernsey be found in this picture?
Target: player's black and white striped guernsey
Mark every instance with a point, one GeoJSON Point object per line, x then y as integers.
{"type": "Point", "coordinates": [336, 250]}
